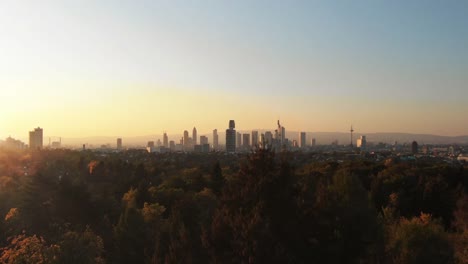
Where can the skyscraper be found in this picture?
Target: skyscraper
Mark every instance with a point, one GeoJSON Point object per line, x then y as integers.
{"type": "Point", "coordinates": [172, 145]}
{"type": "Point", "coordinates": [239, 140]}
{"type": "Point", "coordinates": [36, 138]}
{"type": "Point", "coordinates": [246, 141]}
{"type": "Point", "coordinates": [281, 134]}
{"type": "Point", "coordinates": [186, 138]}
{"type": "Point", "coordinates": [414, 147]}
{"type": "Point", "coordinates": [165, 140]}
{"type": "Point", "coordinates": [119, 143]}
{"type": "Point", "coordinates": [268, 138]}
{"type": "Point", "coordinates": [231, 137]}
{"type": "Point", "coordinates": [361, 142]}
{"type": "Point", "coordinates": [215, 139]}
{"type": "Point", "coordinates": [203, 140]}
{"type": "Point", "coordinates": [194, 136]}
{"type": "Point", "coordinates": [302, 139]}
{"type": "Point", "coordinates": [254, 138]}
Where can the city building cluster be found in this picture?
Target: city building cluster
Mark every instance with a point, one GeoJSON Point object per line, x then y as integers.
{"type": "Point", "coordinates": [241, 142]}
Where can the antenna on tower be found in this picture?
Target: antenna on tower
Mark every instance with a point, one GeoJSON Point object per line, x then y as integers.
{"type": "Point", "coordinates": [351, 130]}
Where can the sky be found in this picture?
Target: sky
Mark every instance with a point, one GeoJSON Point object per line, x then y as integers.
{"type": "Point", "coordinates": [129, 68]}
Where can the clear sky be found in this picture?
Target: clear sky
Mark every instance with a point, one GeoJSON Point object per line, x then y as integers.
{"type": "Point", "coordinates": [128, 68]}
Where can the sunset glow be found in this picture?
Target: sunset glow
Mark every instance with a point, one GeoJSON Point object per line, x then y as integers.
{"type": "Point", "coordinates": [98, 68]}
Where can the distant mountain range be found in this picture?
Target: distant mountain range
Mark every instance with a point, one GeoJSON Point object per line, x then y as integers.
{"type": "Point", "coordinates": [322, 138]}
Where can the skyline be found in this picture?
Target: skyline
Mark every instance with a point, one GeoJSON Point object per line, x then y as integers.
{"type": "Point", "coordinates": [133, 69]}
{"type": "Point", "coordinates": [320, 137]}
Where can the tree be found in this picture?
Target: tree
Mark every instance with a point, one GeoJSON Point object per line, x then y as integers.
{"type": "Point", "coordinates": [460, 224]}
{"type": "Point", "coordinates": [255, 220]}
{"type": "Point", "coordinates": [29, 250]}
{"type": "Point", "coordinates": [217, 179]}
{"type": "Point", "coordinates": [81, 248]}
{"type": "Point", "coordinates": [418, 240]}
{"type": "Point", "coordinates": [342, 225]}
{"type": "Point", "coordinates": [130, 232]}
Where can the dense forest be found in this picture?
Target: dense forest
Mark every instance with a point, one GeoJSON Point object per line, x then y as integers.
{"type": "Point", "coordinates": [63, 206]}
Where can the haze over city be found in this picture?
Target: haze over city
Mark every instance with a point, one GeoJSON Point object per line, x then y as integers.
{"type": "Point", "coordinates": [107, 68]}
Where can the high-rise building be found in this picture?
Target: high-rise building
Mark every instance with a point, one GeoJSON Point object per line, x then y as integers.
{"type": "Point", "coordinates": [361, 142]}
{"type": "Point", "coordinates": [239, 140]}
{"type": "Point", "coordinates": [314, 142]}
{"type": "Point", "coordinates": [302, 139]}
{"type": "Point", "coordinates": [268, 138]}
{"type": "Point", "coordinates": [414, 147]}
{"type": "Point", "coordinates": [203, 140]}
{"type": "Point", "coordinates": [150, 144]}
{"type": "Point", "coordinates": [215, 139]}
{"type": "Point", "coordinates": [172, 145]}
{"type": "Point", "coordinates": [194, 136]}
{"type": "Point", "coordinates": [231, 137]}
{"type": "Point", "coordinates": [281, 133]}
{"type": "Point", "coordinates": [295, 144]}
{"type": "Point", "coordinates": [254, 138]}
{"type": "Point", "coordinates": [36, 138]}
{"type": "Point", "coordinates": [119, 143]}
{"type": "Point", "coordinates": [165, 140]}
{"type": "Point", "coordinates": [246, 141]}
{"type": "Point", "coordinates": [262, 140]}
{"type": "Point", "coordinates": [186, 138]}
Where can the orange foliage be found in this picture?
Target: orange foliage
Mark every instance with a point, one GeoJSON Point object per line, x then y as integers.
{"type": "Point", "coordinates": [92, 165]}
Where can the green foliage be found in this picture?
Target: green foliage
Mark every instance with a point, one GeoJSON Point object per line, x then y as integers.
{"type": "Point", "coordinates": [460, 237]}
{"type": "Point", "coordinates": [60, 206]}
{"type": "Point", "coordinates": [129, 232]}
{"type": "Point", "coordinates": [81, 248]}
{"type": "Point", "coordinates": [253, 221]}
{"type": "Point", "coordinates": [419, 240]}
{"type": "Point", "coordinates": [217, 179]}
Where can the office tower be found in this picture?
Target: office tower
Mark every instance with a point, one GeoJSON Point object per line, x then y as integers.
{"type": "Point", "coordinates": [262, 140]}
{"type": "Point", "coordinates": [361, 142]}
{"type": "Point", "coordinates": [158, 143]}
{"type": "Point", "coordinates": [239, 140]}
{"type": "Point", "coordinates": [203, 140]}
{"type": "Point", "coordinates": [36, 138]}
{"type": "Point", "coordinates": [281, 133]}
{"type": "Point", "coordinates": [215, 139]}
{"type": "Point", "coordinates": [414, 147]}
{"type": "Point", "coordinates": [186, 138]}
{"type": "Point", "coordinates": [268, 138]}
{"type": "Point", "coordinates": [194, 136]}
{"type": "Point", "coordinates": [254, 138]}
{"type": "Point", "coordinates": [231, 137]}
{"type": "Point", "coordinates": [150, 144]}
{"type": "Point", "coordinates": [294, 143]}
{"type": "Point", "coordinates": [314, 142]}
{"type": "Point", "coordinates": [165, 140]}
{"type": "Point", "coordinates": [119, 143]}
{"type": "Point", "coordinates": [246, 141]}
{"type": "Point", "coordinates": [172, 145]}
{"type": "Point", "coordinates": [302, 139]}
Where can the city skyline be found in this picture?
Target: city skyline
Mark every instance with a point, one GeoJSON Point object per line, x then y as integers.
{"type": "Point", "coordinates": [124, 69]}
